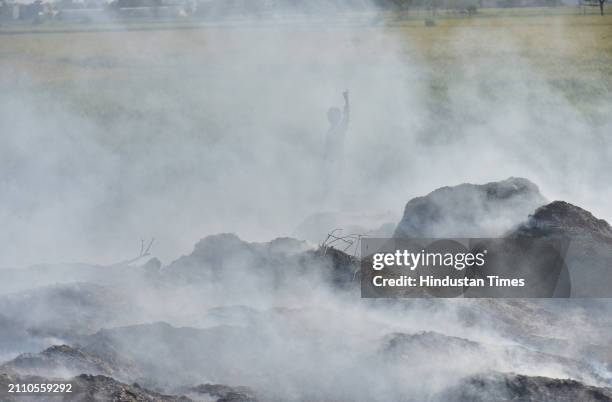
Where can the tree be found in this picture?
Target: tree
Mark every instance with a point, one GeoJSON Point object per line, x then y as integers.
{"type": "Point", "coordinates": [401, 4]}
{"type": "Point", "coordinates": [594, 3]}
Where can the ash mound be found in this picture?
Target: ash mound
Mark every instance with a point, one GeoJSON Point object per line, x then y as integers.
{"type": "Point", "coordinates": [514, 209]}
{"type": "Point", "coordinates": [501, 387]}
{"type": "Point", "coordinates": [470, 210]}
{"type": "Point", "coordinates": [223, 257]}
{"type": "Point", "coordinates": [213, 251]}
{"type": "Point", "coordinates": [62, 361]}
{"type": "Point", "coordinates": [428, 348]}
{"type": "Point", "coordinates": [560, 217]}
{"type": "Point", "coordinates": [586, 244]}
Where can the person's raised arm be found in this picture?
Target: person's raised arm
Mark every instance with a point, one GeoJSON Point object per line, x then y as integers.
{"type": "Point", "coordinates": [347, 108]}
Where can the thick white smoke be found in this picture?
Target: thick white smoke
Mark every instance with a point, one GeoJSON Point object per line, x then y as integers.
{"type": "Point", "coordinates": [178, 134]}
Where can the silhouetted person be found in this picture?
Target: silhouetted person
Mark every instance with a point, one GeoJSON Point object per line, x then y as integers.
{"type": "Point", "coordinates": [334, 144]}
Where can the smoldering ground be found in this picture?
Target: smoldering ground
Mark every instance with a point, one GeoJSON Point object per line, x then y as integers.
{"type": "Point", "coordinates": [286, 332]}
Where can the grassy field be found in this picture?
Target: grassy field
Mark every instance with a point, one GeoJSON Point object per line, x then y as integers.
{"type": "Point", "coordinates": [570, 50]}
